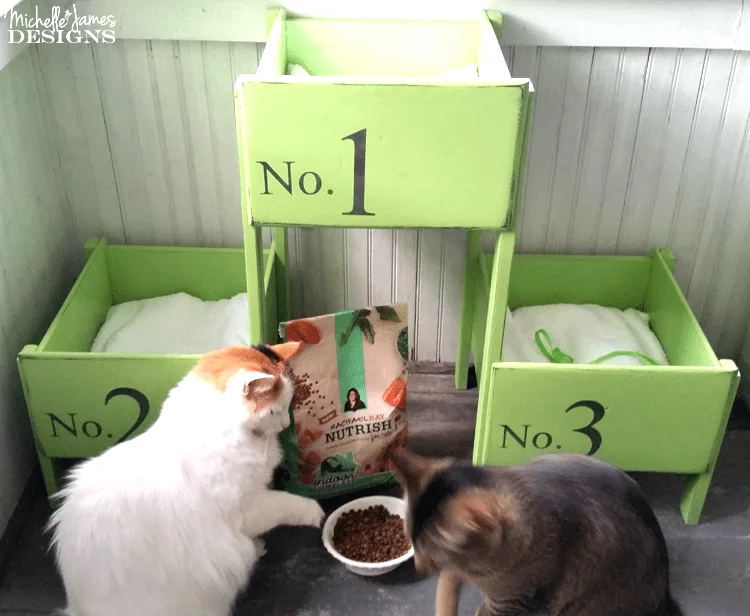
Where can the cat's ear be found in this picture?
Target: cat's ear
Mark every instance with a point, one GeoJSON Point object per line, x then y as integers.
{"type": "Point", "coordinates": [287, 350]}
{"type": "Point", "coordinates": [410, 468]}
{"type": "Point", "coordinates": [474, 513]}
{"type": "Point", "coordinates": [256, 384]}
{"type": "Point", "coordinates": [480, 516]}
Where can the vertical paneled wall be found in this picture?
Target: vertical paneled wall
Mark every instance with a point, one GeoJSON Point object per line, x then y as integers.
{"type": "Point", "coordinates": [148, 132]}
{"type": "Point", "coordinates": [635, 149]}
{"type": "Point", "coordinates": [631, 149]}
{"type": "Point", "coordinates": [36, 253]}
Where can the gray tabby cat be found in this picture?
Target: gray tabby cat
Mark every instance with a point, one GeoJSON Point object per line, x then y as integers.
{"type": "Point", "coordinates": [564, 533]}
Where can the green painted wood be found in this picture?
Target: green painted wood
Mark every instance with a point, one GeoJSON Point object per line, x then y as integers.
{"type": "Point", "coordinates": [116, 274]}
{"type": "Point", "coordinates": [672, 320]}
{"type": "Point", "coordinates": [468, 303]}
{"type": "Point", "coordinates": [403, 147]}
{"type": "Point", "coordinates": [254, 274]}
{"type": "Point", "coordinates": [90, 245]}
{"type": "Point", "coordinates": [76, 324]}
{"type": "Point", "coordinates": [274, 58]}
{"type": "Point", "coordinates": [495, 20]}
{"type": "Point", "coordinates": [652, 418]}
{"type": "Point", "coordinates": [253, 240]}
{"type": "Point", "coordinates": [73, 419]}
{"type": "Point", "coordinates": [691, 504]}
{"type": "Point", "coordinates": [482, 268]}
{"type": "Point", "coordinates": [46, 463]}
{"type": "Point", "coordinates": [350, 47]}
{"type": "Point", "coordinates": [79, 402]}
{"type": "Point", "coordinates": [140, 272]}
{"type": "Point", "coordinates": [271, 298]}
{"type": "Point", "coordinates": [493, 339]}
{"type": "Point", "coordinates": [522, 154]}
{"type": "Point", "coordinates": [478, 265]}
{"type": "Point", "coordinates": [479, 327]}
{"type": "Point", "coordinates": [642, 282]}
{"type": "Point", "coordinates": [663, 419]}
{"type": "Point", "coordinates": [272, 15]}
{"type": "Point", "coordinates": [283, 293]}
{"type": "Point", "coordinates": [619, 282]}
{"type": "Point", "coordinates": [491, 61]}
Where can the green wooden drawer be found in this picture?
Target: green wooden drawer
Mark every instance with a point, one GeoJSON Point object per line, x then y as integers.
{"type": "Point", "coordinates": [641, 418]}
{"type": "Point", "coordinates": [375, 137]}
{"type": "Point", "coordinates": [80, 402]}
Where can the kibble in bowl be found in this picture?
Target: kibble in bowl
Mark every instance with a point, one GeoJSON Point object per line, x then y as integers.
{"type": "Point", "coordinates": [367, 535]}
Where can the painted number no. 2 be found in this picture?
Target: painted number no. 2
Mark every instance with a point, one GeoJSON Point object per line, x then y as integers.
{"type": "Point", "coordinates": [91, 428]}
{"type": "Point", "coordinates": [543, 440]}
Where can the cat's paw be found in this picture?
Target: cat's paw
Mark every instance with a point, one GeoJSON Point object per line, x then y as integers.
{"type": "Point", "coordinates": [312, 514]}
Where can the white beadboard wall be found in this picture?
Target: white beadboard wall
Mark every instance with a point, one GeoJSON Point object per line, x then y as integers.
{"type": "Point", "coordinates": [631, 149]}
{"type": "Point", "coordinates": [36, 253]}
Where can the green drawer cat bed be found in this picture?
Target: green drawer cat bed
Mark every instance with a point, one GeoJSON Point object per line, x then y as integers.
{"type": "Point", "coordinates": [641, 418]}
{"type": "Point", "coordinates": [82, 402]}
{"type": "Point", "coordinates": [376, 135]}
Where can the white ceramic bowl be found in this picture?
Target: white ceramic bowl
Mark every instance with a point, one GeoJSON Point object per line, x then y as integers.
{"type": "Point", "coordinates": [394, 506]}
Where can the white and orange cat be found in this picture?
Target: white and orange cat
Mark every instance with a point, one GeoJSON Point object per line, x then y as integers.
{"type": "Point", "coordinates": [169, 523]}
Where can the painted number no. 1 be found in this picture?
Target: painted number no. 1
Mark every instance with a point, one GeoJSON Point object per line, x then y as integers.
{"type": "Point", "coordinates": [311, 183]}
{"type": "Point", "coordinates": [543, 440]}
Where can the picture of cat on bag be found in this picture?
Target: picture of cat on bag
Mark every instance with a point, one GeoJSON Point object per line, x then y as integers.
{"type": "Point", "coordinates": [564, 533]}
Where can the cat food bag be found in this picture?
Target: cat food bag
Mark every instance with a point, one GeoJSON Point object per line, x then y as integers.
{"type": "Point", "coordinates": [349, 406]}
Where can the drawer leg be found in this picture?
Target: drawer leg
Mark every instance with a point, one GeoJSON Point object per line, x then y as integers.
{"type": "Point", "coordinates": [254, 273]}
{"type": "Point", "coordinates": [47, 465]}
{"type": "Point", "coordinates": [468, 295]}
{"type": "Point", "coordinates": [697, 485]}
{"type": "Point", "coordinates": [497, 303]}
{"type": "Point", "coordinates": [695, 496]}
{"type": "Point", "coordinates": [283, 301]}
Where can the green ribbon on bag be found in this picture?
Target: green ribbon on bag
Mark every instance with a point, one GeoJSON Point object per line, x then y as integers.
{"type": "Point", "coordinates": [350, 356]}
{"type": "Point", "coordinates": [556, 356]}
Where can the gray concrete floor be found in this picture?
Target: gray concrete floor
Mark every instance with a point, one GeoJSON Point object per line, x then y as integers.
{"type": "Point", "coordinates": [710, 562]}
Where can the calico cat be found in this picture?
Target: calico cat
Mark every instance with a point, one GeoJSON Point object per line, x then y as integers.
{"type": "Point", "coordinates": [564, 533]}
{"type": "Point", "coordinates": [169, 523]}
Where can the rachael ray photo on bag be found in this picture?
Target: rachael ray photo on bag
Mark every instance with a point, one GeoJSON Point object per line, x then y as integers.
{"type": "Point", "coordinates": [349, 405]}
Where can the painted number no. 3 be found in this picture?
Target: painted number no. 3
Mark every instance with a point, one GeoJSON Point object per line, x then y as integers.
{"type": "Point", "coordinates": [526, 435]}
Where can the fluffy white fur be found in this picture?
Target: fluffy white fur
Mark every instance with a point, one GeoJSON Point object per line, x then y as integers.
{"type": "Point", "coordinates": [168, 524]}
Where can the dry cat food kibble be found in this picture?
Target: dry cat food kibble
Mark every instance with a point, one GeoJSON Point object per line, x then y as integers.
{"type": "Point", "coordinates": [302, 390]}
{"type": "Point", "coordinates": [371, 535]}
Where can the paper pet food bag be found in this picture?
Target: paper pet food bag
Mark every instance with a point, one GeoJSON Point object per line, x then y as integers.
{"type": "Point", "coordinates": [349, 405]}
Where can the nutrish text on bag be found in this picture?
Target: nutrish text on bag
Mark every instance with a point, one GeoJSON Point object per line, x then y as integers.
{"type": "Point", "coordinates": [349, 406]}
